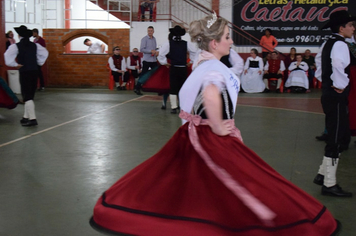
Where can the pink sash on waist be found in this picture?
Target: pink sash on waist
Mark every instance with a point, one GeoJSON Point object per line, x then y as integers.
{"type": "Point", "coordinates": [263, 212]}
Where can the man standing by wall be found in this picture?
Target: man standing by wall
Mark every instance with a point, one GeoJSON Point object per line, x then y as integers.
{"type": "Point", "coordinates": [149, 60]}
{"type": "Point", "coordinates": [332, 63]}
{"type": "Point", "coordinates": [42, 42]}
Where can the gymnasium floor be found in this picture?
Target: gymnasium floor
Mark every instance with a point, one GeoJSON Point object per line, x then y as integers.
{"type": "Point", "coordinates": [51, 175]}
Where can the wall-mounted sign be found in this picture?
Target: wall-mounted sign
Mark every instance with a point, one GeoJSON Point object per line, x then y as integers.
{"type": "Point", "coordinates": [296, 22]}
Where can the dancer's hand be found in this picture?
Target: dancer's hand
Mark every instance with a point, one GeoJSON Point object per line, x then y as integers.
{"type": "Point", "coordinates": [337, 90]}
{"type": "Point", "coordinates": [223, 129]}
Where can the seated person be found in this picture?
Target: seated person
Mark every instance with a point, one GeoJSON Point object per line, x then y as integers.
{"type": "Point", "coordinates": [310, 60]}
{"type": "Point", "coordinates": [251, 79]}
{"type": "Point", "coordinates": [147, 4]}
{"type": "Point", "coordinates": [265, 59]}
{"type": "Point", "coordinates": [134, 63]}
{"type": "Point", "coordinates": [297, 80]}
{"type": "Point", "coordinates": [118, 69]}
{"type": "Point", "coordinates": [274, 69]}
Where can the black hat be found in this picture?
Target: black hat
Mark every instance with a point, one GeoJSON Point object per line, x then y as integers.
{"type": "Point", "coordinates": [339, 18]}
{"type": "Point", "coordinates": [177, 31]}
{"type": "Point", "coordinates": [116, 47]}
{"type": "Point", "coordinates": [23, 31]}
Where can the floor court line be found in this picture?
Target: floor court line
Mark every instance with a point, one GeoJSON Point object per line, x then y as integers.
{"type": "Point", "coordinates": [68, 122]}
{"type": "Point", "coordinates": [131, 100]}
{"type": "Point", "coordinates": [278, 108]}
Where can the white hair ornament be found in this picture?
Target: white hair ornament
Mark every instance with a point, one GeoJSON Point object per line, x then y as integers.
{"type": "Point", "coordinates": [212, 21]}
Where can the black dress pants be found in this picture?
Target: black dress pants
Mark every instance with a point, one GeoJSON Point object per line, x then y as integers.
{"type": "Point", "coordinates": [28, 81]}
{"type": "Point", "coordinates": [335, 107]}
{"type": "Point", "coordinates": [177, 77]}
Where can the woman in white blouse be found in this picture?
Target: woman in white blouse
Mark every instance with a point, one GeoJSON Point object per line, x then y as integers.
{"type": "Point", "coordinates": [298, 80]}
{"type": "Point", "coordinates": [251, 79]}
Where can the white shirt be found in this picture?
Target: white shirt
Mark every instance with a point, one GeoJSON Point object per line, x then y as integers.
{"type": "Point", "coordinates": [112, 65]}
{"type": "Point", "coordinates": [303, 65]}
{"type": "Point", "coordinates": [237, 62]}
{"type": "Point", "coordinates": [259, 59]}
{"type": "Point", "coordinates": [128, 64]}
{"type": "Point", "coordinates": [350, 40]}
{"type": "Point", "coordinates": [12, 52]}
{"type": "Point", "coordinates": [340, 59]}
{"type": "Point", "coordinates": [95, 47]}
{"type": "Point", "coordinates": [164, 50]}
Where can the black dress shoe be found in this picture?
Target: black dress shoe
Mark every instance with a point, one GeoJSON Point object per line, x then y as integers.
{"type": "Point", "coordinates": [138, 92]}
{"type": "Point", "coordinates": [335, 191]}
{"type": "Point", "coordinates": [23, 120]}
{"type": "Point", "coordinates": [123, 88]}
{"type": "Point", "coordinates": [118, 88]}
{"type": "Point", "coordinates": [163, 107]}
{"type": "Point", "coordinates": [322, 137]}
{"type": "Point", "coordinates": [319, 179]}
{"type": "Point", "coordinates": [30, 123]}
{"type": "Point", "coordinates": [174, 111]}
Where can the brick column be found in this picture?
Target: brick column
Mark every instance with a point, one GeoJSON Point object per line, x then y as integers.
{"type": "Point", "coordinates": [2, 39]}
{"type": "Point", "coordinates": [67, 13]}
{"type": "Point", "coordinates": [215, 4]}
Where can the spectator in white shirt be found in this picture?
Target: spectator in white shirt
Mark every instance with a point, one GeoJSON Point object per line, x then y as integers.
{"type": "Point", "coordinates": [134, 63]}
{"type": "Point", "coordinates": [118, 69]}
{"type": "Point", "coordinates": [252, 78]}
{"type": "Point", "coordinates": [298, 80]}
{"type": "Point", "coordinates": [95, 47]}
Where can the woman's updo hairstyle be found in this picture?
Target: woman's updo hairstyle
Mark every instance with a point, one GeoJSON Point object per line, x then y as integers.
{"type": "Point", "coordinates": [202, 35]}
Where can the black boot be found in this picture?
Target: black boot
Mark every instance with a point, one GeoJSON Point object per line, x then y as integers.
{"type": "Point", "coordinates": [335, 191]}
{"type": "Point", "coordinates": [319, 179]}
{"type": "Point", "coordinates": [24, 120]}
{"type": "Point", "coordinates": [322, 137]}
{"type": "Point", "coordinates": [30, 123]}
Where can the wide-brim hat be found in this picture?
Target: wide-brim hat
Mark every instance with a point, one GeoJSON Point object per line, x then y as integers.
{"type": "Point", "coordinates": [177, 31]}
{"type": "Point", "coordinates": [23, 31]}
{"type": "Point", "coordinates": [339, 18]}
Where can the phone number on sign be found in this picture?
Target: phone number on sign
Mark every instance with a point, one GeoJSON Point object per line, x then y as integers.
{"type": "Point", "coordinates": [304, 39]}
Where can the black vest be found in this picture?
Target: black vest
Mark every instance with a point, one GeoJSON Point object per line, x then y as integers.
{"type": "Point", "coordinates": [27, 55]}
{"type": "Point", "coordinates": [178, 52]}
{"type": "Point", "coordinates": [254, 64]}
{"type": "Point", "coordinates": [352, 48]}
{"type": "Point", "coordinates": [225, 60]}
{"type": "Point", "coordinates": [326, 69]}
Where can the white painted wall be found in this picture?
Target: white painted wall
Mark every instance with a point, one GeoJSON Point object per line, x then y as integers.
{"type": "Point", "coordinates": [96, 17]}
{"type": "Point", "coordinates": [32, 15]}
{"type": "Point", "coordinates": [53, 16]}
{"type": "Point", "coordinates": [27, 13]}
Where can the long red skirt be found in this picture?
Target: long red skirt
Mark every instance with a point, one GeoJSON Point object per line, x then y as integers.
{"type": "Point", "coordinates": [158, 81]}
{"type": "Point", "coordinates": [7, 97]}
{"type": "Point", "coordinates": [352, 100]}
{"type": "Point", "coordinates": [174, 193]}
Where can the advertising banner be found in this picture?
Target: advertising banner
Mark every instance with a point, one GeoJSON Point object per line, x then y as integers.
{"type": "Point", "coordinates": [296, 22]}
